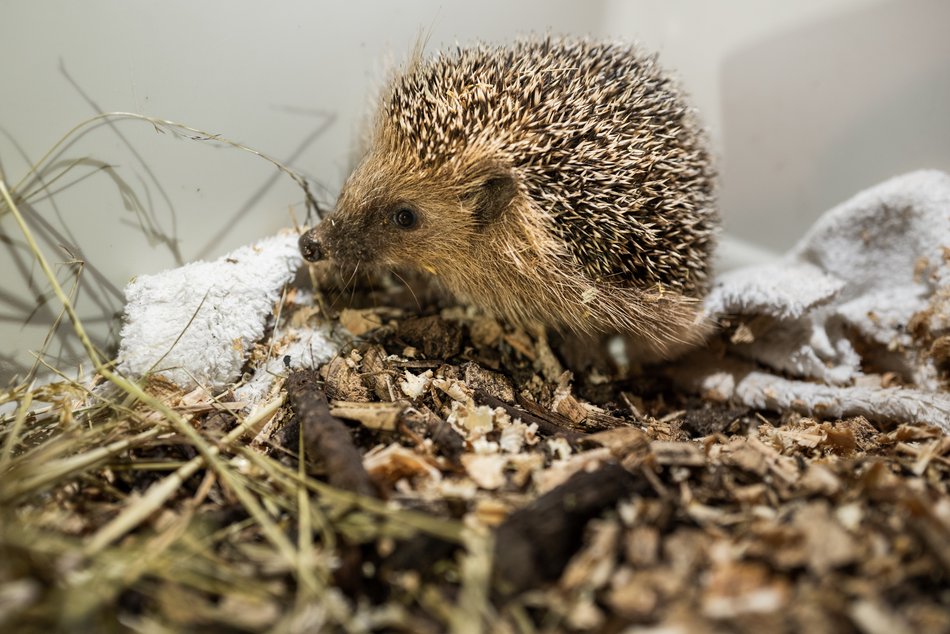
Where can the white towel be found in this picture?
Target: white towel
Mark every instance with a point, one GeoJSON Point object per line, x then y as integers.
{"type": "Point", "coordinates": [196, 324]}
{"type": "Point", "coordinates": [840, 299]}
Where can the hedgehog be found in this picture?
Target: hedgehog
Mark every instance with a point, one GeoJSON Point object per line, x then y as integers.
{"type": "Point", "coordinates": [554, 182]}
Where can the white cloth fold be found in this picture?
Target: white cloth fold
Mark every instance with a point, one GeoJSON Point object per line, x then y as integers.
{"type": "Point", "coordinates": [841, 301]}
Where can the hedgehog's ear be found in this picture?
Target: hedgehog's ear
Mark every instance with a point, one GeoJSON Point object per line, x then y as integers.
{"type": "Point", "coordinates": [492, 197]}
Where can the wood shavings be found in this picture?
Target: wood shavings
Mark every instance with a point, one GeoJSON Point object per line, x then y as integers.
{"type": "Point", "coordinates": [477, 420]}
{"type": "Point", "coordinates": [381, 416]}
{"type": "Point", "coordinates": [387, 465]}
{"type": "Point", "coordinates": [685, 454]}
{"type": "Point", "coordinates": [561, 470]}
{"type": "Point", "coordinates": [735, 589]}
{"type": "Point", "coordinates": [614, 503]}
{"type": "Point", "coordinates": [414, 385]}
{"type": "Point", "coordinates": [343, 380]}
{"type": "Point", "coordinates": [486, 470]}
{"type": "Point", "coordinates": [454, 390]}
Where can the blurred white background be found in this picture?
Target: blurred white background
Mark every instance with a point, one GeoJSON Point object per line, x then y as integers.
{"type": "Point", "coordinates": [806, 102]}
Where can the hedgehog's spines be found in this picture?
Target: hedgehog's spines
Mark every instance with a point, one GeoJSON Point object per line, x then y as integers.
{"type": "Point", "coordinates": [576, 118]}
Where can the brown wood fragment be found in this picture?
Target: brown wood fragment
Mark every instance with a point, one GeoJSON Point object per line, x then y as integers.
{"type": "Point", "coordinates": [571, 409]}
{"type": "Point", "coordinates": [485, 332]}
{"type": "Point", "coordinates": [537, 410]}
{"type": "Point", "coordinates": [360, 322]}
{"type": "Point", "coordinates": [417, 364]}
{"type": "Point", "coordinates": [593, 422]}
{"type": "Point", "coordinates": [379, 416]}
{"type": "Point", "coordinates": [494, 383]}
{"type": "Point", "coordinates": [827, 545]}
{"type": "Point", "coordinates": [343, 381]}
{"type": "Point", "coordinates": [840, 438]}
{"type": "Point", "coordinates": [325, 436]}
{"type": "Point", "coordinates": [599, 421]}
{"type": "Point", "coordinates": [377, 376]}
{"type": "Point", "coordinates": [450, 442]}
{"type": "Point", "coordinates": [642, 546]}
{"type": "Point", "coordinates": [622, 441]}
{"type": "Point", "coordinates": [634, 595]}
{"type": "Point", "coordinates": [521, 343]}
{"type": "Point", "coordinates": [819, 479]}
{"type": "Point", "coordinates": [752, 455]}
{"type": "Point", "coordinates": [682, 454]}
{"type": "Point", "coordinates": [435, 337]}
{"type": "Point", "coordinates": [734, 589]}
{"type": "Point", "coordinates": [544, 426]}
{"type": "Point", "coordinates": [931, 521]}
{"type": "Point", "coordinates": [535, 543]}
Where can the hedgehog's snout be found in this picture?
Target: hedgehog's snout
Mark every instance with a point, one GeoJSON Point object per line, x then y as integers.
{"type": "Point", "coordinates": [334, 242]}
{"type": "Point", "coordinates": [310, 247]}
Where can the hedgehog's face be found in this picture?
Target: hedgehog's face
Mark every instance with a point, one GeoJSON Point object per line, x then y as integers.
{"type": "Point", "coordinates": [399, 216]}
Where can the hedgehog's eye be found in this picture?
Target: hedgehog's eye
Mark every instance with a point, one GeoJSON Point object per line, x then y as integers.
{"type": "Point", "coordinates": [405, 218]}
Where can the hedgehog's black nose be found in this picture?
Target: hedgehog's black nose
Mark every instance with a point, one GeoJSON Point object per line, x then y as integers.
{"type": "Point", "coordinates": [310, 247]}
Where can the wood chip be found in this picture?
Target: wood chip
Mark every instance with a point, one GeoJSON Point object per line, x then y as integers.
{"type": "Point", "coordinates": [381, 416]}
{"type": "Point", "coordinates": [360, 322]}
{"type": "Point", "coordinates": [683, 454]}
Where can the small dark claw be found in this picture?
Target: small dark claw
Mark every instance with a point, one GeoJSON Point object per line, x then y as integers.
{"type": "Point", "coordinates": [310, 247]}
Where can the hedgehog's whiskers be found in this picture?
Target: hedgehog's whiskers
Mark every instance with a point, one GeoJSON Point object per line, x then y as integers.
{"type": "Point", "coordinates": [409, 288]}
{"type": "Point", "coordinates": [353, 282]}
{"type": "Point", "coordinates": [337, 292]}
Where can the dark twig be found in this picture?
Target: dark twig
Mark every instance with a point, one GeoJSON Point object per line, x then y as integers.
{"type": "Point", "coordinates": [546, 427]}
{"type": "Point", "coordinates": [450, 443]}
{"type": "Point", "coordinates": [326, 437]}
{"type": "Point", "coordinates": [534, 544]}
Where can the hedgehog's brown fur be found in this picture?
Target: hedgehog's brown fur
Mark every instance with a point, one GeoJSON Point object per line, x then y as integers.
{"type": "Point", "coordinates": [559, 182]}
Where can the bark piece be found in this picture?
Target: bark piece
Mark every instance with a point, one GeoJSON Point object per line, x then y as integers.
{"type": "Point", "coordinates": [434, 336]}
{"type": "Point", "coordinates": [535, 543]}
{"type": "Point", "coordinates": [327, 437]}
{"type": "Point", "coordinates": [380, 416]}
{"type": "Point", "coordinates": [545, 426]}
